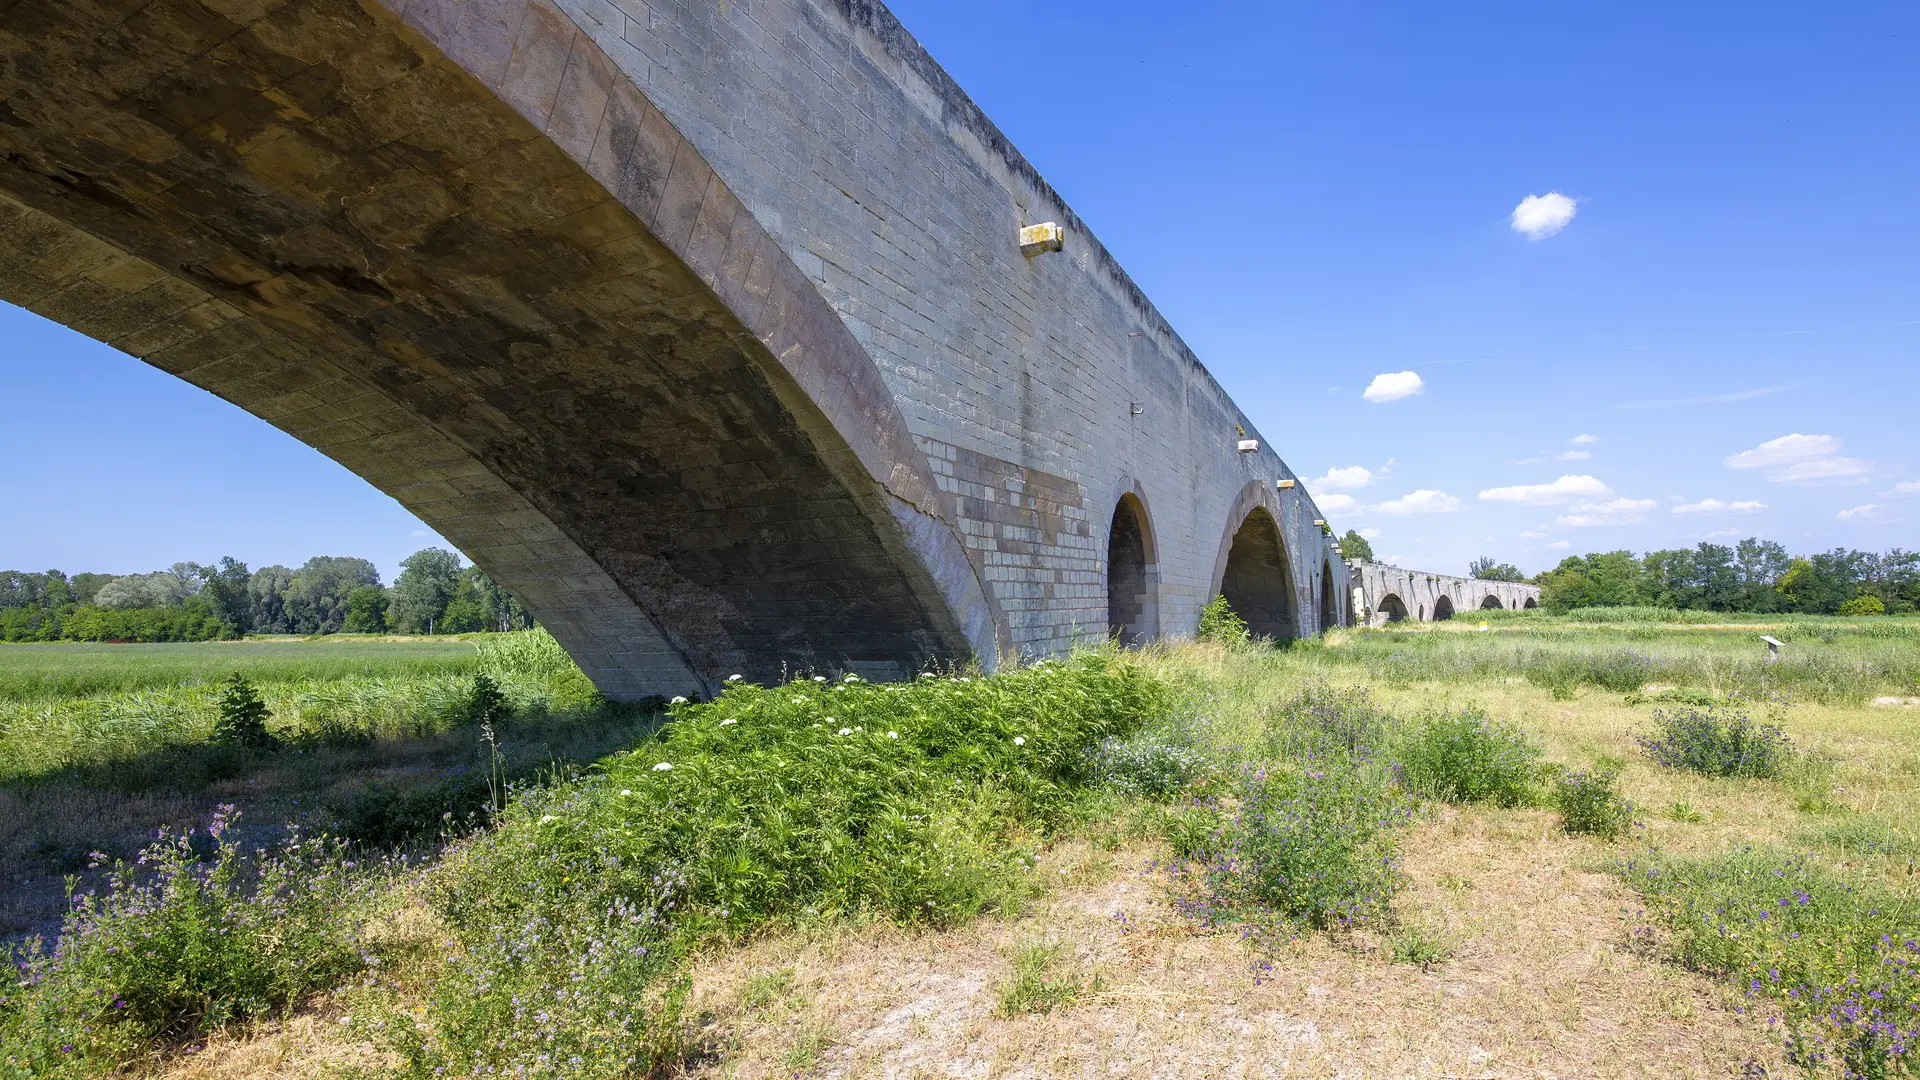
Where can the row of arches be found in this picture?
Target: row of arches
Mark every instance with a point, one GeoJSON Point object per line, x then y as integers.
{"type": "Point", "coordinates": [1257, 577]}
{"type": "Point", "coordinates": [1395, 609]}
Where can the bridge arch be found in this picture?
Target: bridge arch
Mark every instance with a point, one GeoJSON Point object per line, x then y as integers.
{"type": "Point", "coordinates": [1491, 601]}
{"type": "Point", "coordinates": [1443, 609]}
{"type": "Point", "coordinates": [1329, 603]}
{"type": "Point", "coordinates": [1530, 604]}
{"type": "Point", "coordinates": [1394, 608]}
{"type": "Point", "coordinates": [1256, 577]}
{"type": "Point", "coordinates": [1133, 609]}
{"type": "Point", "coordinates": [463, 285]}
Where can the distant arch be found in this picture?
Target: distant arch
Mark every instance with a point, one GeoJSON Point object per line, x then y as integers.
{"type": "Point", "coordinates": [1132, 607]}
{"type": "Point", "coordinates": [1491, 601]}
{"type": "Point", "coordinates": [1257, 580]}
{"type": "Point", "coordinates": [1442, 609]}
{"type": "Point", "coordinates": [1394, 608]}
{"type": "Point", "coordinates": [1329, 607]}
{"type": "Point", "coordinates": [1422, 610]}
{"type": "Point", "coordinates": [1530, 603]}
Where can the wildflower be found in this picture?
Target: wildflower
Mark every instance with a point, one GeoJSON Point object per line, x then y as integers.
{"type": "Point", "coordinates": [1019, 740]}
{"type": "Point", "coordinates": [548, 818]}
{"type": "Point", "coordinates": [728, 723]}
{"type": "Point", "coordinates": [851, 678]}
{"type": "Point", "coordinates": [735, 677]}
{"type": "Point", "coordinates": [846, 731]}
{"type": "Point", "coordinates": [665, 766]}
{"type": "Point", "coordinates": [819, 678]}
{"type": "Point", "coordinates": [626, 791]}
{"type": "Point", "coordinates": [678, 699]}
{"type": "Point", "coordinates": [893, 734]}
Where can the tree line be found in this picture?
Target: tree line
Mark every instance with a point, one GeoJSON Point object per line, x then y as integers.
{"type": "Point", "coordinates": [1754, 576]}
{"type": "Point", "coordinates": [189, 601]}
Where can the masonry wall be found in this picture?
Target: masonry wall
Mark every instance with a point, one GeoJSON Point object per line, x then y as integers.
{"type": "Point", "coordinates": [1420, 594]}
{"type": "Point", "coordinates": [1041, 388]}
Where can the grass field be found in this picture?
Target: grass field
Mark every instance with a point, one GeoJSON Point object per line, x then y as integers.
{"type": "Point", "coordinates": [1351, 857]}
{"type": "Point", "coordinates": [73, 669]}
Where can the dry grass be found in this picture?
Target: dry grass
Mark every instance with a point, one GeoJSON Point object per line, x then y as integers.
{"type": "Point", "coordinates": [1543, 980]}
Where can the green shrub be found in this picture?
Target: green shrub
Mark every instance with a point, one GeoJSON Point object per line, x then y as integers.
{"type": "Point", "coordinates": [1717, 742]}
{"type": "Point", "coordinates": [243, 716]}
{"type": "Point", "coordinates": [1590, 804]}
{"type": "Point", "coordinates": [486, 704]}
{"type": "Point", "coordinates": [1837, 960]}
{"type": "Point", "coordinates": [1155, 764]}
{"type": "Point", "coordinates": [917, 802]}
{"type": "Point", "coordinates": [1317, 846]}
{"type": "Point", "coordinates": [176, 948]}
{"type": "Point", "coordinates": [1320, 720]}
{"type": "Point", "coordinates": [1038, 985]}
{"type": "Point", "coordinates": [1467, 757]}
{"type": "Point", "coordinates": [1863, 605]}
{"type": "Point", "coordinates": [1220, 624]}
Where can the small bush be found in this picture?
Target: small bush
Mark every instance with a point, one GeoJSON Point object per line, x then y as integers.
{"type": "Point", "coordinates": [1320, 720]}
{"type": "Point", "coordinates": [1838, 960]}
{"type": "Point", "coordinates": [175, 948]}
{"type": "Point", "coordinates": [1157, 764]}
{"type": "Point", "coordinates": [1717, 742]}
{"type": "Point", "coordinates": [1590, 804]}
{"type": "Point", "coordinates": [1419, 945]}
{"type": "Point", "coordinates": [1318, 847]}
{"type": "Point", "coordinates": [486, 704]}
{"type": "Point", "coordinates": [1467, 757]}
{"type": "Point", "coordinates": [243, 716]}
{"type": "Point", "coordinates": [1220, 624]}
{"type": "Point", "coordinates": [1038, 985]}
{"type": "Point", "coordinates": [1864, 605]}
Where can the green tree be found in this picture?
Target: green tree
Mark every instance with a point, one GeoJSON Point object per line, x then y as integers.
{"type": "Point", "coordinates": [421, 593]}
{"type": "Point", "coordinates": [267, 600]}
{"type": "Point", "coordinates": [366, 611]}
{"type": "Point", "coordinates": [1485, 569]}
{"type": "Point", "coordinates": [1759, 565]}
{"type": "Point", "coordinates": [243, 717]}
{"type": "Point", "coordinates": [1603, 579]}
{"type": "Point", "coordinates": [224, 585]}
{"type": "Point", "coordinates": [1355, 547]}
{"type": "Point", "coordinates": [316, 596]}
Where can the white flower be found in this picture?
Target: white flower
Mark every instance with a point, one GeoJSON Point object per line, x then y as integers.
{"type": "Point", "coordinates": [1019, 740]}
{"type": "Point", "coordinates": [735, 678]}
{"type": "Point", "coordinates": [678, 700]}
{"type": "Point", "coordinates": [724, 723]}
{"type": "Point", "coordinates": [928, 675]}
{"type": "Point", "coordinates": [846, 731]}
{"type": "Point", "coordinates": [626, 791]}
{"type": "Point", "coordinates": [548, 818]}
{"type": "Point", "coordinates": [665, 766]}
{"type": "Point", "coordinates": [819, 678]}
{"type": "Point", "coordinates": [851, 678]}
{"type": "Point", "coordinates": [893, 734]}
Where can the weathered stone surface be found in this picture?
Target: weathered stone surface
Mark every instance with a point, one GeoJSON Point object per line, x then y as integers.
{"type": "Point", "coordinates": [703, 327]}
{"type": "Point", "coordinates": [1389, 594]}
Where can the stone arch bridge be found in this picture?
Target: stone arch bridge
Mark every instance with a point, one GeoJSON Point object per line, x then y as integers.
{"type": "Point", "coordinates": [709, 328]}
{"type": "Point", "coordinates": [1384, 594]}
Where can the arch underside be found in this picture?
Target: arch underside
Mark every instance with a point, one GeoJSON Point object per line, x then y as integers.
{"type": "Point", "coordinates": [1393, 607]}
{"type": "Point", "coordinates": [602, 381]}
{"type": "Point", "coordinates": [1130, 602]}
{"type": "Point", "coordinates": [1442, 609]}
{"type": "Point", "coordinates": [1491, 602]}
{"type": "Point", "coordinates": [1257, 580]}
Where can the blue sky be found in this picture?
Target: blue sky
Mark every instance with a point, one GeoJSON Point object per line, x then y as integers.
{"type": "Point", "coordinates": [1316, 196]}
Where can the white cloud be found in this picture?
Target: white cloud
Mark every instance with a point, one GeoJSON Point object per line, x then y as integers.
{"type": "Point", "coordinates": [1588, 514]}
{"type": "Point", "coordinates": [1559, 545]}
{"type": "Point", "coordinates": [1534, 534]}
{"type": "Point", "coordinates": [1394, 386]}
{"type": "Point", "coordinates": [1836, 470]}
{"type": "Point", "coordinates": [1803, 459]}
{"type": "Point", "coordinates": [1337, 503]}
{"type": "Point", "coordinates": [1710, 399]}
{"type": "Point", "coordinates": [1565, 489]}
{"type": "Point", "coordinates": [1573, 455]}
{"type": "Point", "coordinates": [1424, 501]}
{"type": "Point", "coordinates": [1719, 506]}
{"type": "Point", "coordinates": [1583, 440]}
{"type": "Point", "coordinates": [1785, 450]}
{"type": "Point", "coordinates": [1905, 487]}
{"type": "Point", "coordinates": [1343, 478]}
{"type": "Point", "coordinates": [1864, 515]}
{"type": "Point", "coordinates": [1540, 216]}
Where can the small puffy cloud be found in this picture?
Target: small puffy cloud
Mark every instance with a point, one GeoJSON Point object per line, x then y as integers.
{"type": "Point", "coordinates": [1593, 514]}
{"type": "Point", "coordinates": [1905, 487]}
{"type": "Point", "coordinates": [1343, 478]}
{"type": "Point", "coordinates": [1337, 503]}
{"type": "Point", "coordinates": [1785, 450]}
{"type": "Point", "coordinates": [1719, 506]}
{"type": "Point", "coordinates": [1424, 501]}
{"type": "Point", "coordinates": [1565, 489]}
{"type": "Point", "coordinates": [1583, 440]}
{"type": "Point", "coordinates": [1540, 216]}
{"type": "Point", "coordinates": [1864, 515]}
{"type": "Point", "coordinates": [1394, 386]}
{"type": "Point", "coordinates": [1573, 455]}
{"type": "Point", "coordinates": [1833, 470]}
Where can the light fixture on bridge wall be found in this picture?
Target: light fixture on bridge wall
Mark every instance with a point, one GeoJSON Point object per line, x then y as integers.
{"type": "Point", "coordinates": [1248, 446]}
{"type": "Point", "coordinates": [1284, 485]}
{"type": "Point", "coordinates": [1042, 238]}
{"type": "Point", "coordinates": [1320, 523]}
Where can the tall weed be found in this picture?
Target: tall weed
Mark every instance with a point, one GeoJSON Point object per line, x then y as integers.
{"type": "Point", "coordinates": [1468, 757]}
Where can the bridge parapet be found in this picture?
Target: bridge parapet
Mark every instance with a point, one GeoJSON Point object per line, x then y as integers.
{"type": "Point", "coordinates": [1384, 594]}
